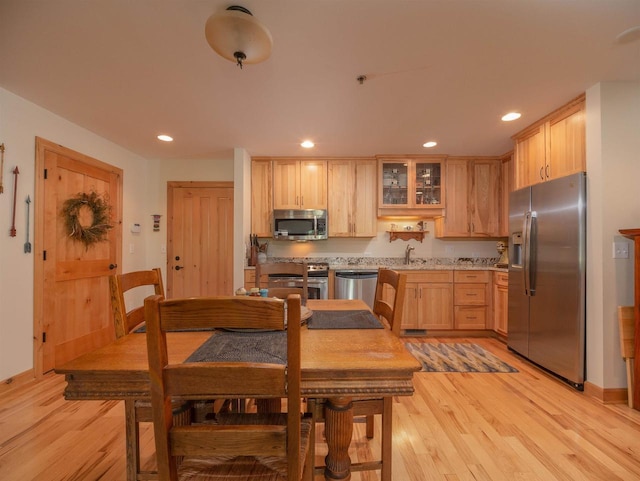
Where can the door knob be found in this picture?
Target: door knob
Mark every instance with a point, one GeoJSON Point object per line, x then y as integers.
{"type": "Point", "coordinates": [177, 258]}
{"type": "Point", "coordinates": [179, 267]}
{"type": "Point", "coordinates": [112, 266]}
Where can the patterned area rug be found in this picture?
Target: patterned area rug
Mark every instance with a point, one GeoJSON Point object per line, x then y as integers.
{"type": "Point", "coordinates": [457, 357]}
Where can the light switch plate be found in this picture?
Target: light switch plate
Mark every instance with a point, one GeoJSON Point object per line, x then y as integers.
{"type": "Point", "coordinates": [620, 250]}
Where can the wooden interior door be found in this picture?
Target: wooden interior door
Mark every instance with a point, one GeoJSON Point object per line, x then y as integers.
{"type": "Point", "coordinates": [72, 311]}
{"type": "Point", "coordinates": [200, 239]}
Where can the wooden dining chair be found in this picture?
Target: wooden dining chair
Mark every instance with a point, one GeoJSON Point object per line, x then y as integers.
{"type": "Point", "coordinates": [387, 306]}
{"type": "Point", "coordinates": [287, 268]}
{"type": "Point", "coordinates": [125, 321]}
{"type": "Point", "coordinates": [242, 446]}
{"type": "Point", "coordinates": [626, 322]}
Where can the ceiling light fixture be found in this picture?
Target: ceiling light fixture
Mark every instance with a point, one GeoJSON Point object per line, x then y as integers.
{"type": "Point", "coordinates": [430, 144]}
{"type": "Point", "coordinates": [629, 35]}
{"type": "Point", "coordinates": [307, 144]}
{"type": "Point", "coordinates": [165, 138]}
{"type": "Point", "coordinates": [237, 36]}
{"type": "Point", "coordinates": [511, 116]}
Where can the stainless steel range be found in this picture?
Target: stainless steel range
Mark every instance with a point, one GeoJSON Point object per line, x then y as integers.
{"type": "Point", "coordinates": [317, 280]}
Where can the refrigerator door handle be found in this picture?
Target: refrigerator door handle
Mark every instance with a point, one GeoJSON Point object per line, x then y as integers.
{"type": "Point", "coordinates": [530, 253]}
{"type": "Point", "coordinates": [526, 232]}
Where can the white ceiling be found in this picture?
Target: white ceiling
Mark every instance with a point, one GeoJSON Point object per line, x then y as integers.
{"type": "Point", "coordinates": [443, 70]}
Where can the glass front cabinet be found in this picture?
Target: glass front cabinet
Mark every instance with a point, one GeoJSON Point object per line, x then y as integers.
{"type": "Point", "coordinates": [411, 185]}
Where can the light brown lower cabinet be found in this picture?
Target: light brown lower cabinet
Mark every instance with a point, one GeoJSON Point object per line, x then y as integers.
{"type": "Point", "coordinates": [428, 301]}
{"type": "Point", "coordinates": [471, 299]}
{"type": "Point", "coordinates": [500, 302]}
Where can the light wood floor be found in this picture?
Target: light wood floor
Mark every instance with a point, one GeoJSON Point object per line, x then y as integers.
{"type": "Point", "coordinates": [524, 426]}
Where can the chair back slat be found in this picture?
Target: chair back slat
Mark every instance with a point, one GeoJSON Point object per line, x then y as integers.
{"type": "Point", "coordinates": [202, 380]}
{"type": "Point", "coordinates": [391, 313]}
{"type": "Point", "coordinates": [234, 312]}
{"type": "Point", "coordinates": [235, 440]}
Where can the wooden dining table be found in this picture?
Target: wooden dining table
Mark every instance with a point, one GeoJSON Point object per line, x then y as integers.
{"type": "Point", "coordinates": [338, 365]}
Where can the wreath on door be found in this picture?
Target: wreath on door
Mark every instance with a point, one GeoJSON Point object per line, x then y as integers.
{"type": "Point", "coordinates": [101, 213]}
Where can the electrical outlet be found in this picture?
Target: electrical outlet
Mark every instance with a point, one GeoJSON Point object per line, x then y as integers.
{"type": "Point", "coordinates": [448, 250]}
{"type": "Point", "coordinates": [132, 248]}
{"type": "Point", "coordinates": [163, 249]}
{"type": "Point", "coordinates": [620, 250]}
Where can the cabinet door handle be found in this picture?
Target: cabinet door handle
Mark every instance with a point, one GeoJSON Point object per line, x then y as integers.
{"type": "Point", "coordinates": [302, 200]}
{"type": "Point", "coordinates": [541, 173]}
{"type": "Point", "coordinates": [546, 171]}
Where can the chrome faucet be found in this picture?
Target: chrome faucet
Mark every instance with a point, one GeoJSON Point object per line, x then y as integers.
{"type": "Point", "coordinates": [407, 254]}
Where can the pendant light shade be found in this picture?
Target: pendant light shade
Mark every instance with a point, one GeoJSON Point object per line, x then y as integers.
{"type": "Point", "coordinates": [236, 35]}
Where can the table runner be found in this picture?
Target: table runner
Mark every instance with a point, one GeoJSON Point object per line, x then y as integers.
{"type": "Point", "coordinates": [361, 319]}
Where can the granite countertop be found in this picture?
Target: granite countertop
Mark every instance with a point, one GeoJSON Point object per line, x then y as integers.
{"type": "Point", "coordinates": [434, 263]}
{"type": "Point", "coordinates": [419, 266]}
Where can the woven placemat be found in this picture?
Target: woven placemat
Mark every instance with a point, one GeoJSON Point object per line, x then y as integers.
{"type": "Point", "coordinates": [268, 347]}
{"type": "Point", "coordinates": [362, 319]}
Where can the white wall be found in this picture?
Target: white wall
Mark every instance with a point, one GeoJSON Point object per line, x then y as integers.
{"type": "Point", "coordinates": [161, 172]}
{"type": "Point", "coordinates": [613, 170]}
{"type": "Point", "coordinates": [20, 123]}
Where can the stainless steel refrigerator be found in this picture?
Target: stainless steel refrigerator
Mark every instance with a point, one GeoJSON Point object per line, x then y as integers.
{"type": "Point", "coordinates": [547, 276]}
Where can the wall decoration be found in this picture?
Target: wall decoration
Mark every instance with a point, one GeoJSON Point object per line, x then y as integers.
{"type": "Point", "coordinates": [156, 222]}
{"type": "Point", "coordinates": [1, 166]}
{"type": "Point", "coordinates": [27, 245]}
{"type": "Point", "coordinates": [12, 232]}
{"type": "Point", "coordinates": [100, 210]}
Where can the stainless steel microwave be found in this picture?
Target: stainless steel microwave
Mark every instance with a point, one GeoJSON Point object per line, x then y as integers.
{"type": "Point", "coordinates": [300, 224]}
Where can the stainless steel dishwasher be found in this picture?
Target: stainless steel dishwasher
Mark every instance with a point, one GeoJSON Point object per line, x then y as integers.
{"type": "Point", "coordinates": [356, 284]}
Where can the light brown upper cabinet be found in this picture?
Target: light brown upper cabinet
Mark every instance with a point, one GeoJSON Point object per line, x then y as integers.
{"type": "Point", "coordinates": [410, 185]}
{"type": "Point", "coordinates": [507, 188]}
{"type": "Point", "coordinates": [299, 184]}
{"type": "Point", "coordinates": [552, 147]}
{"type": "Point", "coordinates": [352, 203]}
{"type": "Point", "coordinates": [473, 187]}
{"type": "Point", "coordinates": [261, 198]}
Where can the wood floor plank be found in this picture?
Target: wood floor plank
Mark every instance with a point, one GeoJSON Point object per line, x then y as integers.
{"type": "Point", "coordinates": [524, 426]}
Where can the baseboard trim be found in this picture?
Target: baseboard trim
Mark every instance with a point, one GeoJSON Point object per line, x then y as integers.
{"type": "Point", "coordinates": [18, 380]}
{"type": "Point", "coordinates": [606, 396]}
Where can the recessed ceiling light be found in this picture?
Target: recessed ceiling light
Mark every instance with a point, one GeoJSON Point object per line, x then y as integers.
{"type": "Point", "coordinates": [430, 144]}
{"type": "Point", "coordinates": [307, 144]}
{"type": "Point", "coordinates": [511, 116]}
{"type": "Point", "coordinates": [165, 138]}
